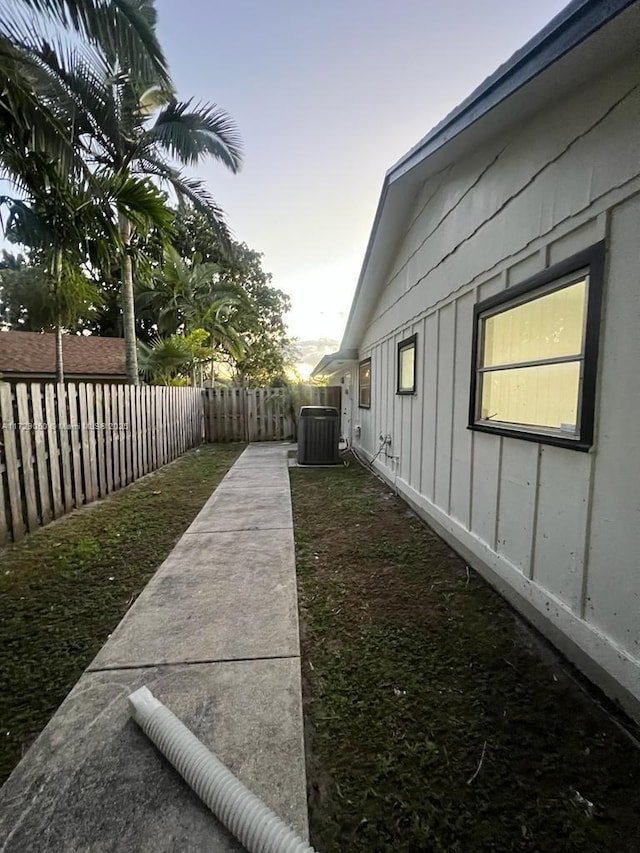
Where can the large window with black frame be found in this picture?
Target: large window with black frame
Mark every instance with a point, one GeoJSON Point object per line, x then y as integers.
{"type": "Point", "coordinates": [535, 355]}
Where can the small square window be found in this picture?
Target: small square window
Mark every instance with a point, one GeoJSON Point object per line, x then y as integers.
{"type": "Point", "coordinates": [535, 353]}
{"type": "Point", "coordinates": [407, 366]}
{"type": "Point", "coordinates": [364, 384]}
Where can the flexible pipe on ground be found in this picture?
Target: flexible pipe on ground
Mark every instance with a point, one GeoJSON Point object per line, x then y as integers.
{"type": "Point", "coordinates": [255, 825]}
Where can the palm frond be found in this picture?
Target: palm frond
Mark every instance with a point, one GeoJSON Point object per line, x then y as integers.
{"type": "Point", "coordinates": [138, 200]}
{"type": "Point", "coordinates": [188, 135]}
{"type": "Point", "coordinates": [123, 29]}
{"type": "Point", "coordinates": [190, 190]}
{"type": "Point", "coordinates": [26, 122]}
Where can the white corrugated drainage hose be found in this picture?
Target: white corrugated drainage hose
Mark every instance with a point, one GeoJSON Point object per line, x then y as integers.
{"type": "Point", "coordinates": [258, 828]}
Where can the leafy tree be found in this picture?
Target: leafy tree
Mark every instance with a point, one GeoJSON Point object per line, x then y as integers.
{"type": "Point", "coordinates": [114, 106]}
{"type": "Point", "coordinates": [23, 294]}
{"type": "Point", "coordinates": [65, 226]}
{"type": "Point", "coordinates": [28, 304]}
{"type": "Point", "coordinates": [183, 294]}
{"type": "Point", "coordinates": [175, 360]}
{"type": "Point", "coordinates": [269, 350]}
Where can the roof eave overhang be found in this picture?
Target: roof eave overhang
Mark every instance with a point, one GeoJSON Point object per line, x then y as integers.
{"type": "Point", "coordinates": [333, 362]}
{"type": "Point", "coordinates": [572, 26]}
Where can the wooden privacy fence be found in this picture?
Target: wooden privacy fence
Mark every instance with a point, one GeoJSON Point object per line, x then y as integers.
{"type": "Point", "coordinates": [260, 414]}
{"type": "Point", "coordinates": [62, 446]}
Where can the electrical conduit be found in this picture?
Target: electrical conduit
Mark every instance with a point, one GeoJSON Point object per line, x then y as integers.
{"type": "Point", "coordinates": [258, 828]}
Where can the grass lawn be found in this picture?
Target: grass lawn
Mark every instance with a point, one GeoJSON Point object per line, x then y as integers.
{"type": "Point", "coordinates": [66, 587]}
{"type": "Point", "coordinates": [435, 721]}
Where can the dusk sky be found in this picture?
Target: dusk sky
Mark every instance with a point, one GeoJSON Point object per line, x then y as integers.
{"type": "Point", "coordinates": [327, 96]}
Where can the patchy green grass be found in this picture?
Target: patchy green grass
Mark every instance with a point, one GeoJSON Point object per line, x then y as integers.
{"type": "Point", "coordinates": [66, 587]}
{"type": "Point", "coordinates": [435, 720]}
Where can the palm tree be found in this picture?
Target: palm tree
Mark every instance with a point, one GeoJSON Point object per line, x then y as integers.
{"type": "Point", "coordinates": [184, 295]}
{"type": "Point", "coordinates": [115, 118]}
{"type": "Point", "coordinates": [33, 105]}
{"type": "Point", "coordinates": [65, 226]}
{"type": "Point", "coordinates": [118, 109]}
{"type": "Point", "coordinates": [186, 298]}
{"type": "Point", "coordinates": [128, 145]}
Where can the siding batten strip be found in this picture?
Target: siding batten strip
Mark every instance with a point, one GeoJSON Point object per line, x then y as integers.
{"type": "Point", "coordinates": [472, 457]}
{"type": "Point", "coordinates": [494, 544]}
{"type": "Point", "coordinates": [454, 373]}
{"type": "Point", "coordinates": [435, 407]}
{"type": "Point", "coordinates": [587, 550]}
{"type": "Point", "coordinates": [534, 520]}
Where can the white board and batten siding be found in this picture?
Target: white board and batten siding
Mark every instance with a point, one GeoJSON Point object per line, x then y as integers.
{"type": "Point", "coordinates": [558, 531]}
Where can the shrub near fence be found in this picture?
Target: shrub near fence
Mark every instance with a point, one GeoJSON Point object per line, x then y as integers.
{"type": "Point", "coordinates": [62, 446]}
{"type": "Point", "coordinates": [260, 414]}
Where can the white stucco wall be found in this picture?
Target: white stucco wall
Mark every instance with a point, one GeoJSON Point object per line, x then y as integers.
{"type": "Point", "coordinates": [558, 530]}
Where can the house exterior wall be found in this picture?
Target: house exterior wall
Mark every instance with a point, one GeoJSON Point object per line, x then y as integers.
{"type": "Point", "coordinates": [558, 531]}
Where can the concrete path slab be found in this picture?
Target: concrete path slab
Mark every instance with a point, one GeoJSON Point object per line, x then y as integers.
{"type": "Point", "coordinates": [215, 636]}
{"type": "Point", "coordinates": [250, 510]}
{"type": "Point", "coordinates": [93, 782]}
{"type": "Point", "coordinates": [219, 596]}
{"type": "Point", "coordinates": [265, 471]}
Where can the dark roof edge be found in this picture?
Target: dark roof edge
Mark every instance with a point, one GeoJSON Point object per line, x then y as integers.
{"type": "Point", "coordinates": [569, 28]}
{"type": "Point", "coordinates": [576, 22]}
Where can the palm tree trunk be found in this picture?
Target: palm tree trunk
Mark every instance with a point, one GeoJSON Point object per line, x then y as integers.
{"type": "Point", "coordinates": [59, 361]}
{"type": "Point", "coordinates": [56, 274]}
{"type": "Point", "coordinates": [128, 305]}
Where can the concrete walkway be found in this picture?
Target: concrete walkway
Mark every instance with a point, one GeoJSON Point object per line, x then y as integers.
{"type": "Point", "coordinates": [215, 636]}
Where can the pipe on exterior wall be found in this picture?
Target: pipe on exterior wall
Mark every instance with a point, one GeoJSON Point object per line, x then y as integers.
{"type": "Point", "coordinates": [253, 823]}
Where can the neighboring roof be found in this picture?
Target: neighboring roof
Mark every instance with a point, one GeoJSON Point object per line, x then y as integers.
{"type": "Point", "coordinates": [83, 355]}
{"type": "Point", "coordinates": [481, 116]}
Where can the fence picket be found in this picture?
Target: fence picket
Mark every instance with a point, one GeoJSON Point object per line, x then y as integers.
{"type": "Point", "coordinates": [115, 436]}
{"type": "Point", "coordinates": [41, 454]}
{"type": "Point", "coordinates": [172, 422]}
{"type": "Point", "coordinates": [91, 438]}
{"type": "Point", "coordinates": [64, 447]}
{"type": "Point", "coordinates": [76, 452]}
{"type": "Point", "coordinates": [4, 532]}
{"type": "Point", "coordinates": [100, 441]}
{"type": "Point", "coordinates": [128, 419]}
{"type": "Point", "coordinates": [108, 437]}
{"type": "Point", "coordinates": [11, 461]}
{"type": "Point", "coordinates": [143, 429]}
{"type": "Point", "coordinates": [83, 429]}
{"type": "Point", "coordinates": [51, 434]}
{"type": "Point", "coordinates": [122, 436]}
{"type": "Point", "coordinates": [165, 426]}
{"type": "Point", "coordinates": [138, 396]}
{"type": "Point", "coordinates": [26, 457]}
